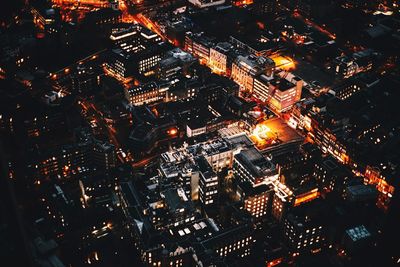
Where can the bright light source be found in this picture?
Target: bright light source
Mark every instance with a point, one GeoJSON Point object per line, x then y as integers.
{"type": "Point", "coordinates": [283, 62]}
{"type": "Point", "coordinates": [173, 131]}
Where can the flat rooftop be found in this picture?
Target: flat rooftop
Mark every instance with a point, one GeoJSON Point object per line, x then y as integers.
{"type": "Point", "coordinates": [274, 132]}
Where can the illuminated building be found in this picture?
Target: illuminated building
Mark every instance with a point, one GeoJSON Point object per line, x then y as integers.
{"type": "Point", "coordinates": [143, 94]}
{"type": "Point", "coordinates": [206, 3]}
{"type": "Point", "coordinates": [261, 87]}
{"type": "Point", "coordinates": [182, 90]}
{"type": "Point", "coordinates": [246, 68]}
{"type": "Point", "coordinates": [205, 121]}
{"type": "Point", "coordinates": [44, 18]}
{"type": "Point", "coordinates": [378, 178]}
{"type": "Point", "coordinates": [235, 241]}
{"type": "Point", "coordinates": [181, 164]}
{"type": "Point", "coordinates": [208, 183]}
{"type": "Point", "coordinates": [91, 3]}
{"type": "Point", "coordinates": [217, 152]}
{"type": "Point", "coordinates": [151, 211]}
{"type": "Point", "coordinates": [219, 61]}
{"type": "Point", "coordinates": [135, 54]}
{"type": "Point", "coordinates": [282, 94]}
{"type": "Point", "coordinates": [263, 136]}
{"type": "Point", "coordinates": [345, 67]}
{"type": "Point", "coordinates": [175, 63]}
{"type": "Point", "coordinates": [178, 207]}
{"type": "Point", "coordinates": [322, 132]}
{"type": "Point", "coordinates": [303, 228]}
{"type": "Point", "coordinates": [282, 201]}
{"type": "Point", "coordinates": [256, 199]}
{"type": "Point", "coordinates": [275, 137]}
{"type": "Point", "coordinates": [199, 45]}
{"type": "Point", "coordinates": [299, 118]}
{"type": "Point", "coordinates": [168, 68]}
{"type": "Point", "coordinates": [283, 62]}
{"type": "Point", "coordinates": [124, 64]}
{"type": "Point", "coordinates": [83, 156]}
{"type": "Point", "coordinates": [167, 209]}
{"type": "Point", "coordinates": [104, 155]}
{"type": "Point", "coordinates": [352, 86]}
{"type": "Point", "coordinates": [125, 36]}
{"type": "Point", "coordinates": [242, 2]}
{"type": "Point", "coordinates": [365, 59]}
{"type": "Point", "coordinates": [250, 165]}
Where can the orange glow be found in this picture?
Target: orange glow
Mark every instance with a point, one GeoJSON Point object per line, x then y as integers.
{"type": "Point", "coordinates": [283, 62]}
{"type": "Point", "coordinates": [312, 24]}
{"type": "Point", "coordinates": [93, 3]}
{"type": "Point", "coordinates": [172, 131]}
{"type": "Point", "coordinates": [243, 2]}
{"type": "Point", "coordinates": [306, 197]}
{"type": "Point", "coordinates": [155, 111]}
{"type": "Point", "coordinates": [274, 262]}
{"type": "Point", "coordinates": [262, 135]}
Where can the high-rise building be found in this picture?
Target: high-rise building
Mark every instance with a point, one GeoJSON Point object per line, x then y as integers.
{"type": "Point", "coordinates": [208, 183]}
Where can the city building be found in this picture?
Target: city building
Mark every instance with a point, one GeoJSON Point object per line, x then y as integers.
{"type": "Point", "coordinates": [282, 201]}
{"type": "Point", "coordinates": [280, 93]}
{"type": "Point", "coordinates": [357, 239]}
{"type": "Point", "coordinates": [86, 155]}
{"type": "Point", "coordinates": [331, 176]}
{"type": "Point", "coordinates": [246, 68]}
{"type": "Point", "coordinates": [199, 45]}
{"type": "Point", "coordinates": [208, 183]}
{"type": "Point", "coordinates": [219, 61]}
{"type": "Point", "coordinates": [143, 94]}
{"type": "Point", "coordinates": [257, 199]}
{"type": "Point", "coordinates": [250, 165]}
{"type": "Point", "coordinates": [137, 52]}
{"type": "Point", "coordinates": [304, 229]}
